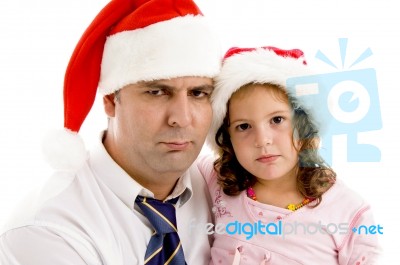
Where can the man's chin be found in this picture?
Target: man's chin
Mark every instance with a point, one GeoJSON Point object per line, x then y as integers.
{"type": "Point", "coordinates": [179, 160]}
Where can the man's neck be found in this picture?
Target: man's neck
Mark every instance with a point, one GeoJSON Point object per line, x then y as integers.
{"type": "Point", "coordinates": [160, 191]}
{"type": "Point", "coordinates": [161, 184]}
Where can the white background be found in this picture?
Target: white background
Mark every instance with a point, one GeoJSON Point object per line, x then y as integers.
{"type": "Point", "coordinates": [37, 39]}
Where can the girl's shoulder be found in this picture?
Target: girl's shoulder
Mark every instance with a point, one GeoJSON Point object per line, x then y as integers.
{"type": "Point", "coordinates": [205, 164]}
{"type": "Point", "coordinates": [342, 202]}
{"type": "Point", "coordinates": [341, 192]}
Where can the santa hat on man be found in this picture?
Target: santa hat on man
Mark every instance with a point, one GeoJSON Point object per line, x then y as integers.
{"type": "Point", "coordinates": [130, 41]}
{"type": "Point", "coordinates": [242, 66]}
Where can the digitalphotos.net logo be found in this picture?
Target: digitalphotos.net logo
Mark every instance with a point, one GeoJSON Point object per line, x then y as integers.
{"type": "Point", "coordinates": [283, 229]}
{"type": "Point", "coordinates": [347, 103]}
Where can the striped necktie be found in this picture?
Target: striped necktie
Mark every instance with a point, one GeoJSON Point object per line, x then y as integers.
{"type": "Point", "coordinates": [164, 246]}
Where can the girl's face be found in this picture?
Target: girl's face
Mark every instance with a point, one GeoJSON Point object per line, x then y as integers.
{"type": "Point", "coordinates": [261, 132]}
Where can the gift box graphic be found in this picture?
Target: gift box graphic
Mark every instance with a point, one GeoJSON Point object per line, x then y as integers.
{"type": "Point", "coordinates": [345, 102]}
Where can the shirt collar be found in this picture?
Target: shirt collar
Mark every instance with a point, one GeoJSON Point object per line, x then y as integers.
{"type": "Point", "coordinates": [123, 186]}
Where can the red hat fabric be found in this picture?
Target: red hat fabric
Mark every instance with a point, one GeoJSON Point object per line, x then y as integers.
{"type": "Point", "coordinates": [127, 42]}
{"type": "Point", "coordinates": [83, 71]}
{"type": "Point", "coordinates": [242, 66]}
{"type": "Point", "coordinates": [137, 40]}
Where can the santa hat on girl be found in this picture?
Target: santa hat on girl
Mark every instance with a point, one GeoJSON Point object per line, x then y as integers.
{"type": "Point", "coordinates": [242, 66]}
{"type": "Point", "coordinates": [130, 41]}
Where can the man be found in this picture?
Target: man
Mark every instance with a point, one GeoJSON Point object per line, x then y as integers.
{"type": "Point", "coordinates": [157, 58]}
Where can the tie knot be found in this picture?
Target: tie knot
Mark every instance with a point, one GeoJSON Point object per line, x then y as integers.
{"type": "Point", "coordinates": [160, 214]}
{"type": "Point", "coordinates": [164, 246]}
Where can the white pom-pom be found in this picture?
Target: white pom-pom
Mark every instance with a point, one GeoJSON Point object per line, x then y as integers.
{"type": "Point", "coordinates": [64, 150]}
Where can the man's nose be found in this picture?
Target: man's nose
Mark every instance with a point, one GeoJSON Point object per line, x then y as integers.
{"type": "Point", "coordinates": [180, 112]}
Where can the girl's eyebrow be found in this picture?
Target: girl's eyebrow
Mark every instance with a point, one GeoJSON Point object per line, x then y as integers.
{"type": "Point", "coordinates": [275, 113]}
{"type": "Point", "coordinates": [279, 112]}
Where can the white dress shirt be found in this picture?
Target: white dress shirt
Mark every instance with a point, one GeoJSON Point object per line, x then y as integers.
{"type": "Point", "coordinates": [90, 217]}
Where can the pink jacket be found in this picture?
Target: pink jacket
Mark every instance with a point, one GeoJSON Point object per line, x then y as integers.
{"type": "Point", "coordinates": [341, 230]}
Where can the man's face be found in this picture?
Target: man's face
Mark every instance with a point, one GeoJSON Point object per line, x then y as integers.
{"type": "Point", "coordinates": [158, 128]}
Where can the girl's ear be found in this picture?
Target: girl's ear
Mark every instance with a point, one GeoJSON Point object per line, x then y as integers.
{"type": "Point", "coordinates": [109, 105]}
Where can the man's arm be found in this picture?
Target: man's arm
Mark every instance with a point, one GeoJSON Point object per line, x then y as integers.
{"type": "Point", "coordinates": [37, 246]}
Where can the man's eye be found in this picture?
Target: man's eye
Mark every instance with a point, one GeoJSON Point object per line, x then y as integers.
{"type": "Point", "coordinates": [156, 92]}
{"type": "Point", "coordinates": [199, 93]}
{"type": "Point", "coordinates": [243, 127]}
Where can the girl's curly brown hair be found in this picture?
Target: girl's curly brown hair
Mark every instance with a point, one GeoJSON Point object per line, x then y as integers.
{"type": "Point", "coordinates": [314, 176]}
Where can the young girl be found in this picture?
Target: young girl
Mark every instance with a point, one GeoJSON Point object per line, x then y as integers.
{"type": "Point", "coordinates": [275, 201]}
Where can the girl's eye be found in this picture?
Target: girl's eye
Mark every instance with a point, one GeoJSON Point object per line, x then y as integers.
{"type": "Point", "coordinates": [277, 120]}
{"type": "Point", "coordinates": [243, 127]}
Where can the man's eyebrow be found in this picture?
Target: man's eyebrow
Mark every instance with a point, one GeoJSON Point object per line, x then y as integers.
{"type": "Point", "coordinates": [203, 87]}
{"type": "Point", "coordinates": [158, 85]}
{"type": "Point", "coordinates": [154, 84]}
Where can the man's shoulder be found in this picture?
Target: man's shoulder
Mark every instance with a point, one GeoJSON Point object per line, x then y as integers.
{"type": "Point", "coordinates": [44, 199]}
{"type": "Point", "coordinates": [45, 244]}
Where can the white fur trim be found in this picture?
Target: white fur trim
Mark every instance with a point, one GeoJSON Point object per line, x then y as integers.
{"type": "Point", "coordinates": [64, 150]}
{"type": "Point", "coordinates": [257, 66]}
{"type": "Point", "coordinates": [182, 46]}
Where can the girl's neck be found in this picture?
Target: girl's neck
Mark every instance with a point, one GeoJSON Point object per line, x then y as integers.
{"type": "Point", "coordinates": [280, 192]}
